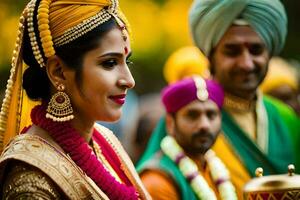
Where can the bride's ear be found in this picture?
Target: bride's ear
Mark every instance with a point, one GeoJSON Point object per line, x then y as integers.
{"type": "Point", "coordinates": [56, 70]}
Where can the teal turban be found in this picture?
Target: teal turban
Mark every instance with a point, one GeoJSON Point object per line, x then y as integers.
{"type": "Point", "coordinates": [210, 19]}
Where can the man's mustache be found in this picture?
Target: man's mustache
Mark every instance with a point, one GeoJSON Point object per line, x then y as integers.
{"type": "Point", "coordinates": [203, 134]}
{"type": "Point", "coordinates": [254, 70]}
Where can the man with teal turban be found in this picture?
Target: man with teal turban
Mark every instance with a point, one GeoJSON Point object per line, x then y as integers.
{"type": "Point", "coordinates": [239, 37]}
{"type": "Point", "coordinates": [209, 21]}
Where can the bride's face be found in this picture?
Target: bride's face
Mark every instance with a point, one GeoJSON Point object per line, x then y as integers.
{"type": "Point", "coordinates": [105, 79]}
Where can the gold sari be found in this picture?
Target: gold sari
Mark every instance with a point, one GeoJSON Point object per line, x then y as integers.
{"type": "Point", "coordinates": [61, 169]}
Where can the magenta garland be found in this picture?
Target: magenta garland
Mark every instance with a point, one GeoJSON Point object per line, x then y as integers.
{"type": "Point", "coordinates": [74, 145]}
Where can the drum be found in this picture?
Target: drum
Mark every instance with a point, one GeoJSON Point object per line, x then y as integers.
{"type": "Point", "coordinates": [273, 187]}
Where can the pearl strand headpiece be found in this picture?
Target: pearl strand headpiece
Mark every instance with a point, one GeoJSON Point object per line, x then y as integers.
{"type": "Point", "coordinates": [88, 25]}
{"type": "Point", "coordinates": [70, 34]}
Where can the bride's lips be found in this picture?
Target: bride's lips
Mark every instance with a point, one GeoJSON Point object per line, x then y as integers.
{"type": "Point", "coordinates": [119, 99]}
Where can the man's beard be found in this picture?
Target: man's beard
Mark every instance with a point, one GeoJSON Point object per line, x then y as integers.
{"type": "Point", "coordinates": [193, 146]}
{"type": "Point", "coordinates": [202, 148]}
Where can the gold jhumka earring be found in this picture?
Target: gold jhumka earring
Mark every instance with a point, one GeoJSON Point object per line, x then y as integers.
{"type": "Point", "coordinates": [59, 107]}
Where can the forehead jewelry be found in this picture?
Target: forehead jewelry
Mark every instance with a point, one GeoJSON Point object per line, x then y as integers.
{"type": "Point", "coordinates": [121, 25]}
{"type": "Point", "coordinates": [123, 30]}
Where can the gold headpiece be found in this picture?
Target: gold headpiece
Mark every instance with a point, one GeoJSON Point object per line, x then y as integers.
{"type": "Point", "coordinates": [89, 24]}
{"type": "Point", "coordinates": [49, 40]}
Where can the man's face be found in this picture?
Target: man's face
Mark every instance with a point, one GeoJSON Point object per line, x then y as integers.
{"type": "Point", "coordinates": [239, 61]}
{"type": "Point", "coordinates": [195, 126]}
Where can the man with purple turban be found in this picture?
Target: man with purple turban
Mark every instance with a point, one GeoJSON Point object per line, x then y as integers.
{"type": "Point", "coordinates": [239, 37]}
{"type": "Point", "coordinates": [178, 162]}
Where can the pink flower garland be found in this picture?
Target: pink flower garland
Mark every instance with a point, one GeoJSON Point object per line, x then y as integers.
{"type": "Point", "coordinates": [73, 144]}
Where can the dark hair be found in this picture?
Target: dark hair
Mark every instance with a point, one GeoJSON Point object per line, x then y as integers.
{"type": "Point", "coordinates": [35, 79]}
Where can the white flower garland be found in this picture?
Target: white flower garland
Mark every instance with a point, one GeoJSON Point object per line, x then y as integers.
{"type": "Point", "coordinates": [189, 169]}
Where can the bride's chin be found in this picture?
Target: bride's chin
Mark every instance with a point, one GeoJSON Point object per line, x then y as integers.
{"type": "Point", "coordinates": [114, 117]}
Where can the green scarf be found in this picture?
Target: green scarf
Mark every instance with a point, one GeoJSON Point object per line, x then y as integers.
{"type": "Point", "coordinates": [279, 152]}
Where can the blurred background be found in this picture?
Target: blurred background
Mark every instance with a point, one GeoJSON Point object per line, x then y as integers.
{"type": "Point", "coordinates": [159, 27]}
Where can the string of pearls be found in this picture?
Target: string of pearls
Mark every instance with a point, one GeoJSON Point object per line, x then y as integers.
{"type": "Point", "coordinates": [10, 83]}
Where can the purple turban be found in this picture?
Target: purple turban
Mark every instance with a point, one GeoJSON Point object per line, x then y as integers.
{"type": "Point", "coordinates": [179, 94]}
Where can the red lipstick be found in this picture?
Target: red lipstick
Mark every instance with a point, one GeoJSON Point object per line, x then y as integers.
{"type": "Point", "coordinates": [119, 99]}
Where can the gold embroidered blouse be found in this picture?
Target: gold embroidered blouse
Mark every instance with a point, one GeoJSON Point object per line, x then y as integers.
{"type": "Point", "coordinates": [26, 182]}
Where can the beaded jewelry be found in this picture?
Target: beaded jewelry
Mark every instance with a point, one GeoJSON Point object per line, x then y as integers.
{"type": "Point", "coordinates": [91, 23]}
{"type": "Point", "coordinates": [82, 28]}
{"type": "Point", "coordinates": [59, 107]}
{"type": "Point", "coordinates": [6, 104]}
{"type": "Point", "coordinates": [33, 39]}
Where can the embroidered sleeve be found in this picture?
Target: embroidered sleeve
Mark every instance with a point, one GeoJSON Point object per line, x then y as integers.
{"type": "Point", "coordinates": [25, 182]}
